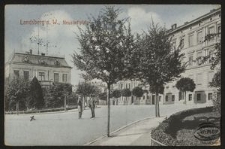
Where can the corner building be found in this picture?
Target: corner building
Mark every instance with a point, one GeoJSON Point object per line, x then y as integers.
{"type": "Point", "coordinates": [191, 36]}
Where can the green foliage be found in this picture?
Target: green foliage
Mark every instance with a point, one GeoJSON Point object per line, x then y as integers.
{"type": "Point", "coordinates": [105, 47]}
{"type": "Point", "coordinates": [215, 56]}
{"type": "Point", "coordinates": [154, 89]}
{"type": "Point", "coordinates": [185, 84]}
{"type": "Point", "coordinates": [166, 132]}
{"type": "Point", "coordinates": [16, 91]}
{"type": "Point", "coordinates": [116, 93]}
{"type": "Point", "coordinates": [138, 92]}
{"type": "Point", "coordinates": [72, 99]}
{"type": "Point", "coordinates": [159, 63]}
{"type": "Point", "coordinates": [36, 98]}
{"type": "Point", "coordinates": [217, 101]}
{"type": "Point", "coordinates": [54, 96]}
{"type": "Point", "coordinates": [85, 89]}
{"type": "Point", "coordinates": [103, 96]}
{"type": "Point", "coordinates": [126, 92]}
{"type": "Point", "coordinates": [216, 81]}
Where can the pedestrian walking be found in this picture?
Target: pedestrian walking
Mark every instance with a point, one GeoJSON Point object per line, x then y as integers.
{"type": "Point", "coordinates": [79, 103]}
{"type": "Point", "coordinates": [92, 107]}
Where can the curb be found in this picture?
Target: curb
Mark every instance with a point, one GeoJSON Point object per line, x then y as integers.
{"type": "Point", "coordinates": [49, 112]}
{"type": "Point", "coordinates": [123, 127]}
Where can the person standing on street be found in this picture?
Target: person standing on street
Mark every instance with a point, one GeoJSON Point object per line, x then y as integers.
{"type": "Point", "coordinates": [79, 103]}
{"type": "Point", "coordinates": [92, 107]}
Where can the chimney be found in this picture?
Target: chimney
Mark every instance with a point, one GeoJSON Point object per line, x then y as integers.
{"type": "Point", "coordinates": [30, 52]}
{"type": "Point", "coordinates": [42, 54]}
{"type": "Point", "coordinates": [174, 26]}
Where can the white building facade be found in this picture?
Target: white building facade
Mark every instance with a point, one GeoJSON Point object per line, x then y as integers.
{"type": "Point", "coordinates": [46, 69]}
{"type": "Point", "coordinates": [191, 36]}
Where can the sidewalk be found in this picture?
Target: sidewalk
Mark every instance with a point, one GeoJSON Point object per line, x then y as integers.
{"type": "Point", "coordinates": [137, 134]}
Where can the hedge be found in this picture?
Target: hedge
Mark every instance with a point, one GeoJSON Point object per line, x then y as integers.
{"type": "Point", "coordinates": [166, 132]}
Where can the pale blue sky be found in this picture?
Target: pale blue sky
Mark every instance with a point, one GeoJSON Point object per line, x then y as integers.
{"type": "Point", "coordinates": [17, 35]}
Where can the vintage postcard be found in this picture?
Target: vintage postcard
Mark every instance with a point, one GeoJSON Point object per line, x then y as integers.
{"type": "Point", "coordinates": [112, 75]}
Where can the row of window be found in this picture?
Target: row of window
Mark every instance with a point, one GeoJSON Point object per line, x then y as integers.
{"type": "Point", "coordinates": [41, 76]}
{"type": "Point", "coordinates": [200, 77]}
{"type": "Point", "coordinates": [126, 86]}
{"type": "Point", "coordinates": [199, 57]}
{"type": "Point", "coordinates": [200, 39]}
{"type": "Point", "coordinates": [190, 97]}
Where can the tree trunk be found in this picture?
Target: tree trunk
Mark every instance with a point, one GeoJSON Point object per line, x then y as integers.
{"type": "Point", "coordinates": [157, 99]}
{"type": "Point", "coordinates": [185, 98]}
{"type": "Point", "coordinates": [108, 102]}
{"type": "Point", "coordinates": [83, 103]}
{"type": "Point", "coordinates": [156, 108]}
{"type": "Point", "coordinates": [157, 113]}
{"type": "Point", "coordinates": [17, 107]}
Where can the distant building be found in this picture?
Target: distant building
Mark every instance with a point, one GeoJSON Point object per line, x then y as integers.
{"type": "Point", "coordinates": [147, 98]}
{"type": "Point", "coordinates": [191, 37]}
{"type": "Point", "coordinates": [101, 85]}
{"type": "Point", "coordinates": [47, 69]}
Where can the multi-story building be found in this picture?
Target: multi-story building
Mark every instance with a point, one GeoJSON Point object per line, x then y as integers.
{"type": "Point", "coordinates": [191, 37]}
{"type": "Point", "coordinates": [47, 69]}
{"type": "Point", "coordinates": [147, 98]}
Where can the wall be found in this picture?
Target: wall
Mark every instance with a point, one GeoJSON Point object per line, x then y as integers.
{"type": "Point", "coordinates": [34, 71]}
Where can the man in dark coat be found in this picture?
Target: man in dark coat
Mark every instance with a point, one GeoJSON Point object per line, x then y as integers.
{"type": "Point", "coordinates": [79, 103]}
{"type": "Point", "coordinates": [92, 107]}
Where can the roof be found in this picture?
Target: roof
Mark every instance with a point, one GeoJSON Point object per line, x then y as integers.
{"type": "Point", "coordinates": [41, 60]}
{"type": "Point", "coordinates": [212, 12]}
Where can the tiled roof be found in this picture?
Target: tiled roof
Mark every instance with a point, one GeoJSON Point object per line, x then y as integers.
{"type": "Point", "coordinates": [47, 61]}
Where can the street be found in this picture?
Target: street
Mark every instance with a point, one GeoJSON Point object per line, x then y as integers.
{"type": "Point", "coordinates": [64, 128]}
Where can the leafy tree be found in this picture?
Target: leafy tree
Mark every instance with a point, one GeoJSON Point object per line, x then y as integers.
{"type": "Point", "coordinates": [103, 96]}
{"type": "Point", "coordinates": [160, 89]}
{"type": "Point", "coordinates": [215, 56]}
{"type": "Point", "coordinates": [184, 85]}
{"type": "Point", "coordinates": [36, 98]}
{"type": "Point", "coordinates": [72, 99]}
{"type": "Point", "coordinates": [126, 92]}
{"type": "Point", "coordinates": [116, 93]}
{"type": "Point", "coordinates": [55, 95]}
{"type": "Point", "coordinates": [16, 95]}
{"type": "Point", "coordinates": [159, 62]}
{"type": "Point", "coordinates": [216, 81]}
{"type": "Point", "coordinates": [86, 89]}
{"type": "Point", "coordinates": [138, 92]}
{"type": "Point", "coordinates": [105, 49]}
